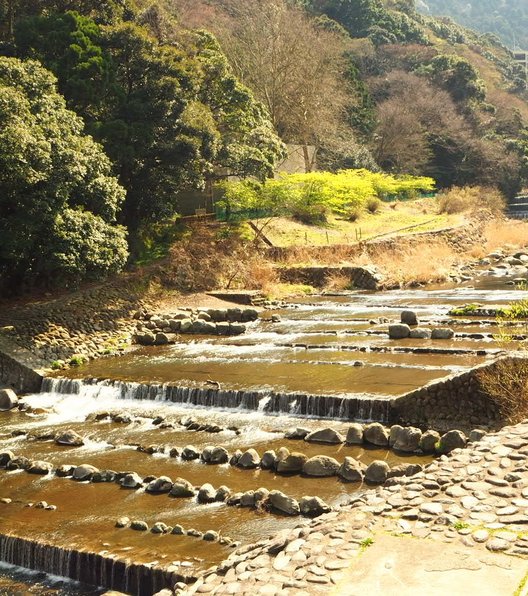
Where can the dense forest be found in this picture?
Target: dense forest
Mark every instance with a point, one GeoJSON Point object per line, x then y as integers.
{"type": "Point", "coordinates": [508, 19]}
{"type": "Point", "coordinates": [109, 110]}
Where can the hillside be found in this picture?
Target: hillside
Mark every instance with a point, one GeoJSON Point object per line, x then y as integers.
{"type": "Point", "coordinates": [508, 19]}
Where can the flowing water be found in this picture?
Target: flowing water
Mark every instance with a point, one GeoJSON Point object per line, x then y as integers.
{"type": "Point", "coordinates": [328, 357]}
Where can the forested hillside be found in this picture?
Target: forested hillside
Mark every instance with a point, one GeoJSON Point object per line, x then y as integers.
{"type": "Point", "coordinates": [507, 19]}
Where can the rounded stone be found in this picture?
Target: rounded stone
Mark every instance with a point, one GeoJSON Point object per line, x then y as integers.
{"type": "Point", "coordinates": [409, 317]}
{"type": "Point", "coordinates": [377, 472]}
{"type": "Point", "coordinates": [454, 439]}
{"type": "Point", "coordinates": [321, 466]}
{"type": "Point", "coordinates": [313, 506]}
{"type": "Point", "coordinates": [325, 435]}
{"type": "Point", "coordinates": [84, 472]}
{"type": "Point", "coordinates": [399, 331]}
{"type": "Point", "coordinates": [354, 434]}
{"type": "Point", "coordinates": [8, 399]}
{"type": "Point", "coordinates": [284, 504]}
{"type": "Point", "coordinates": [131, 480]}
{"type": "Point", "coordinates": [376, 434]}
{"type": "Point", "coordinates": [69, 438]}
{"type": "Point", "coordinates": [139, 525]}
{"type": "Point", "coordinates": [250, 459]}
{"type": "Point", "coordinates": [293, 464]}
{"type": "Point", "coordinates": [351, 470]}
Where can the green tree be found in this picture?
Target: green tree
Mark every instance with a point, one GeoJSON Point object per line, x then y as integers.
{"type": "Point", "coordinates": [58, 201]}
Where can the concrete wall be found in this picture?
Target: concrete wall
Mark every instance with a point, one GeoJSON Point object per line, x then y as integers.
{"type": "Point", "coordinates": [19, 369]}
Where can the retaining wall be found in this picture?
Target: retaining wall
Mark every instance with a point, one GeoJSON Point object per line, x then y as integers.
{"type": "Point", "coordinates": [19, 369]}
{"type": "Point", "coordinates": [364, 278]}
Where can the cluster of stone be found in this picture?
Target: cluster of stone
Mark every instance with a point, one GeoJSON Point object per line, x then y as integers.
{"type": "Point", "coordinates": [154, 329]}
{"type": "Point", "coordinates": [408, 328]}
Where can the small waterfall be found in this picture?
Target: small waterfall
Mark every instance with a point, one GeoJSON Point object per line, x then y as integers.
{"type": "Point", "coordinates": [87, 567]}
{"type": "Point", "coordinates": [355, 407]}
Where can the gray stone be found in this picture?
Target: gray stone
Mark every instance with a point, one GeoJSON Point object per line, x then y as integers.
{"type": "Point", "coordinates": [207, 493]}
{"type": "Point", "coordinates": [351, 470]}
{"type": "Point", "coordinates": [409, 317]}
{"type": "Point", "coordinates": [399, 331]}
{"type": "Point", "coordinates": [122, 522]}
{"type": "Point", "coordinates": [70, 438]}
{"type": "Point", "coordinates": [405, 439]}
{"type": "Point", "coordinates": [163, 484]}
{"type": "Point", "coordinates": [160, 528]}
{"type": "Point", "coordinates": [219, 455]}
{"type": "Point", "coordinates": [40, 467]}
{"type": "Point", "coordinates": [190, 452]}
{"type": "Point", "coordinates": [428, 441]}
{"type": "Point", "coordinates": [281, 502]}
{"type": "Point", "coordinates": [84, 472]}
{"type": "Point", "coordinates": [321, 466]}
{"type": "Point", "coordinates": [420, 333]}
{"type": "Point", "coordinates": [64, 470]}
{"type": "Point", "coordinates": [131, 480]}
{"type": "Point", "coordinates": [354, 434]}
{"type": "Point", "coordinates": [325, 435]}
{"type": "Point", "coordinates": [5, 458]}
{"type": "Point", "coordinates": [250, 459]}
{"type": "Point", "coordinates": [210, 536]}
{"type": "Point", "coordinates": [222, 493]}
{"type": "Point", "coordinates": [182, 489]}
{"type": "Point", "coordinates": [376, 434]}
{"type": "Point", "coordinates": [178, 530]}
{"type": "Point", "coordinates": [442, 333]}
{"type": "Point", "coordinates": [313, 506]}
{"type": "Point", "coordinates": [269, 459]}
{"type": "Point", "coordinates": [298, 433]}
{"type": "Point", "coordinates": [139, 525]}
{"type": "Point", "coordinates": [454, 439]}
{"type": "Point", "coordinates": [8, 399]}
{"type": "Point", "coordinates": [293, 464]}
{"type": "Point", "coordinates": [377, 472]}
{"type": "Point", "coordinates": [476, 435]}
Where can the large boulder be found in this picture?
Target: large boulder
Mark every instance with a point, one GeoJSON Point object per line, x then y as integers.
{"type": "Point", "coordinates": [405, 439]}
{"type": "Point", "coordinates": [321, 466]}
{"type": "Point", "coordinates": [84, 472]}
{"type": "Point", "coordinates": [409, 317]}
{"type": "Point", "coordinates": [293, 464]}
{"type": "Point", "coordinates": [268, 460]}
{"type": "Point", "coordinates": [454, 439]}
{"type": "Point", "coordinates": [207, 493]}
{"type": "Point", "coordinates": [223, 493]}
{"type": "Point", "coordinates": [428, 441]}
{"type": "Point", "coordinates": [376, 434]}
{"type": "Point", "coordinates": [219, 455]}
{"type": "Point", "coordinates": [250, 459]}
{"type": "Point", "coordinates": [354, 434]}
{"type": "Point", "coordinates": [131, 480]}
{"type": "Point", "coordinates": [8, 399]}
{"type": "Point", "coordinates": [442, 333]}
{"type": "Point", "coordinates": [163, 484]}
{"type": "Point", "coordinates": [325, 435]}
{"type": "Point", "coordinates": [190, 452]}
{"type": "Point", "coordinates": [69, 438]}
{"type": "Point", "coordinates": [377, 472]}
{"type": "Point", "coordinates": [313, 506]}
{"type": "Point", "coordinates": [284, 504]}
{"type": "Point", "coordinates": [351, 470]}
{"type": "Point", "coordinates": [182, 489]}
{"type": "Point", "coordinates": [40, 467]}
{"type": "Point", "coordinates": [399, 331]}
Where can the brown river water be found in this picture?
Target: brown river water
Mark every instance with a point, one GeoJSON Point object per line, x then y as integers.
{"type": "Point", "coordinates": [323, 345]}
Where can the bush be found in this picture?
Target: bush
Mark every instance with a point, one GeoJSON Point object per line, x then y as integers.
{"type": "Point", "coordinates": [354, 214]}
{"type": "Point", "coordinates": [471, 198]}
{"type": "Point", "coordinates": [373, 205]}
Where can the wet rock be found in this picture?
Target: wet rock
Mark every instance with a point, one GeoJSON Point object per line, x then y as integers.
{"type": "Point", "coordinates": [247, 499]}
{"type": "Point", "coordinates": [298, 433]}
{"type": "Point", "coordinates": [203, 327]}
{"type": "Point", "coordinates": [174, 452]}
{"type": "Point", "coordinates": [234, 499]}
{"type": "Point", "coordinates": [428, 441]}
{"type": "Point", "coordinates": [41, 505]}
{"type": "Point", "coordinates": [178, 530]}
{"type": "Point", "coordinates": [376, 434]}
{"type": "Point", "coordinates": [190, 452]}
{"type": "Point", "coordinates": [195, 533]}
{"type": "Point", "coordinates": [182, 489]}
{"type": "Point", "coordinates": [420, 333]}
{"type": "Point", "coordinates": [207, 493]}
{"type": "Point", "coordinates": [122, 522]}
{"type": "Point", "coordinates": [281, 502]}
{"type": "Point", "coordinates": [163, 484]}
{"type": "Point", "coordinates": [186, 325]}
{"type": "Point", "coordinates": [293, 464]}
{"type": "Point", "coordinates": [40, 467]}
{"type": "Point", "coordinates": [160, 528]}
{"type": "Point", "coordinates": [210, 536]}
{"type": "Point", "coordinates": [18, 462]}
{"type": "Point", "coordinates": [351, 470]}
{"type": "Point", "coordinates": [377, 472]}
{"type": "Point", "coordinates": [249, 459]}
{"type": "Point", "coordinates": [84, 472]}
{"type": "Point", "coordinates": [219, 455]}
{"type": "Point", "coordinates": [104, 476]}
{"type": "Point", "coordinates": [131, 480]}
{"type": "Point", "coordinates": [325, 435]}
{"type": "Point", "coordinates": [399, 331]}
{"type": "Point", "coordinates": [235, 457]}
{"type": "Point", "coordinates": [222, 328]}
{"type": "Point", "coordinates": [354, 434]}
{"type": "Point", "coordinates": [404, 470]}
{"type": "Point", "coordinates": [139, 525]}
{"type": "Point", "coordinates": [442, 333]}
{"type": "Point", "coordinates": [8, 399]}
{"type": "Point", "coordinates": [268, 460]}
{"type": "Point", "coordinates": [64, 471]}
{"type": "Point", "coordinates": [69, 438]}
{"type": "Point", "coordinates": [454, 439]}
{"type": "Point", "coordinates": [145, 339]}
{"type": "Point", "coordinates": [476, 435]}
{"type": "Point", "coordinates": [261, 495]}
{"type": "Point", "coordinates": [409, 317]}
{"type": "Point", "coordinates": [5, 458]}
{"type": "Point", "coordinates": [237, 329]}
{"type": "Point", "coordinates": [313, 506]}
{"type": "Point", "coordinates": [405, 439]}
{"type": "Point", "coordinates": [222, 493]}
{"type": "Point", "coordinates": [321, 466]}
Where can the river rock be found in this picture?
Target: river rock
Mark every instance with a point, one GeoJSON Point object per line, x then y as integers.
{"type": "Point", "coordinates": [281, 502]}
{"type": "Point", "coordinates": [40, 467]}
{"type": "Point", "coordinates": [64, 470]}
{"type": "Point", "coordinates": [8, 399]}
{"type": "Point", "coordinates": [163, 484]}
{"type": "Point", "coordinates": [222, 493]}
{"type": "Point", "coordinates": [420, 333]}
{"type": "Point", "coordinates": [399, 331]}
{"type": "Point", "coordinates": [210, 536]}
{"type": "Point", "coordinates": [268, 460]}
{"type": "Point", "coordinates": [351, 470]}
{"type": "Point", "coordinates": [296, 433]}
{"type": "Point", "coordinates": [377, 471]}
{"type": "Point", "coordinates": [160, 528]}
{"type": "Point", "coordinates": [261, 494]}
{"type": "Point", "coordinates": [428, 441]}
{"type": "Point", "coordinates": [354, 434]}
{"type": "Point", "coordinates": [219, 455]}
{"type": "Point", "coordinates": [190, 452]}
{"type": "Point", "coordinates": [69, 438]}
{"type": "Point", "coordinates": [19, 462]}
{"type": "Point", "coordinates": [442, 333]}
{"type": "Point", "coordinates": [84, 472]}
{"type": "Point", "coordinates": [237, 328]}
{"type": "Point", "coordinates": [131, 480]}
{"type": "Point", "coordinates": [321, 466]}
{"type": "Point", "coordinates": [182, 489]}
{"type": "Point", "coordinates": [139, 525]}
{"type": "Point", "coordinates": [5, 458]}
{"type": "Point", "coordinates": [161, 339]}
{"type": "Point", "coordinates": [376, 434]}
{"type": "Point", "coordinates": [325, 435]}
{"type": "Point", "coordinates": [122, 522]}
{"type": "Point", "coordinates": [454, 439]}
{"type": "Point", "coordinates": [409, 317]}
{"type": "Point", "coordinates": [405, 439]}
{"type": "Point", "coordinates": [178, 530]}
{"type": "Point", "coordinates": [247, 499]}
{"type": "Point", "coordinates": [293, 464]}
{"type": "Point", "coordinates": [313, 506]}
{"type": "Point", "coordinates": [249, 459]}
{"type": "Point", "coordinates": [207, 493]}
{"type": "Point", "coordinates": [476, 435]}
{"type": "Point", "coordinates": [233, 460]}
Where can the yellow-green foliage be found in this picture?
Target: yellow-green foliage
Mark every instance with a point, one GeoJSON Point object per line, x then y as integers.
{"type": "Point", "coordinates": [311, 196]}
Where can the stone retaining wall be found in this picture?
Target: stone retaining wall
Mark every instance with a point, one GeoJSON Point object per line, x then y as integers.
{"type": "Point", "coordinates": [365, 278]}
{"type": "Point", "coordinates": [18, 368]}
{"type": "Point", "coordinates": [457, 401]}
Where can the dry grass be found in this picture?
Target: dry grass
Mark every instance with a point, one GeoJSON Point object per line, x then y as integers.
{"type": "Point", "coordinates": [337, 282]}
{"type": "Point", "coordinates": [501, 233]}
{"type": "Point", "coordinates": [472, 199]}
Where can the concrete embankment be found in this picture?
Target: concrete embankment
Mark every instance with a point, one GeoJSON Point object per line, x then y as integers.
{"type": "Point", "coordinates": [19, 369]}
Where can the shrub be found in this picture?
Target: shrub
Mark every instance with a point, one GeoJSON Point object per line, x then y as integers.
{"type": "Point", "coordinates": [373, 205]}
{"type": "Point", "coordinates": [471, 198]}
{"type": "Point", "coordinates": [354, 214]}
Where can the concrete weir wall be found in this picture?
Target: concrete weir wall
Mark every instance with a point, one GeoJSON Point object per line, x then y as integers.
{"type": "Point", "coordinates": [457, 401]}
{"type": "Point", "coordinates": [19, 369]}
